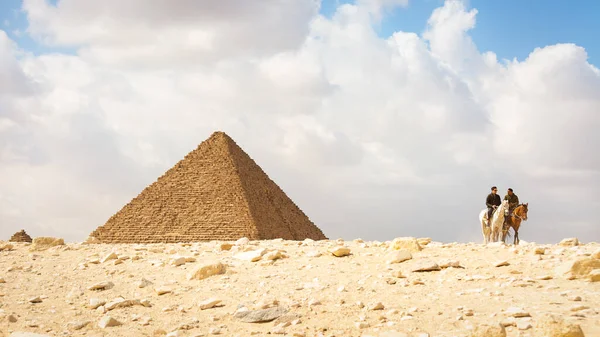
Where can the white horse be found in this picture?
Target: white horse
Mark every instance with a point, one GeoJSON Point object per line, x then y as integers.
{"type": "Point", "coordinates": [492, 232]}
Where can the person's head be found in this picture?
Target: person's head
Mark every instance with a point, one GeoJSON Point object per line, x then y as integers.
{"type": "Point", "coordinates": [494, 190]}
{"type": "Point", "coordinates": [510, 191]}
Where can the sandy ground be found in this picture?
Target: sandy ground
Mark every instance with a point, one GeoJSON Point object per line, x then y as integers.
{"type": "Point", "coordinates": [314, 292]}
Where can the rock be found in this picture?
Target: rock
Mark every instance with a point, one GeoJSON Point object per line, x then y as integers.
{"type": "Point", "coordinates": [486, 330]}
{"type": "Point", "coordinates": [252, 256]}
{"type": "Point", "coordinates": [95, 303]}
{"type": "Point", "coordinates": [398, 274]}
{"type": "Point", "coordinates": [78, 325]}
{"type": "Point", "coordinates": [107, 322]}
{"type": "Point", "coordinates": [43, 243]}
{"type": "Point", "coordinates": [501, 263]}
{"type": "Point", "coordinates": [557, 327]}
{"type": "Point", "coordinates": [594, 275]}
{"type": "Point", "coordinates": [261, 315]}
{"type": "Point", "coordinates": [209, 303]}
{"type": "Point", "coordinates": [596, 254]}
{"type": "Point", "coordinates": [580, 268]}
{"type": "Point", "coordinates": [517, 312]}
{"type": "Point", "coordinates": [6, 246]}
{"type": "Point", "coordinates": [426, 265]}
{"type": "Point", "coordinates": [35, 299]}
{"type": "Point", "coordinates": [539, 251]}
{"type": "Point", "coordinates": [275, 255]}
{"type": "Point", "coordinates": [120, 302]}
{"type": "Point", "coordinates": [449, 264]}
{"type": "Point", "coordinates": [20, 236]}
{"type": "Point", "coordinates": [377, 306]}
{"type": "Point", "coordinates": [162, 290]}
{"type": "Point", "coordinates": [340, 251]}
{"type": "Point", "coordinates": [206, 271]}
{"type": "Point", "coordinates": [408, 243]}
{"type": "Point", "coordinates": [523, 324]}
{"type": "Point", "coordinates": [225, 246]}
{"type": "Point", "coordinates": [143, 283]}
{"type": "Point", "coordinates": [26, 334]}
{"type": "Point", "coordinates": [2, 280]}
{"type": "Point", "coordinates": [12, 318]}
{"type": "Point", "coordinates": [109, 257]}
{"type": "Point", "coordinates": [398, 256]}
{"type": "Point", "coordinates": [424, 241]}
{"type": "Point", "coordinates": [570, 242]}
{"type": "Point", "coordinates": [242, 242]}
{"type": "Point", "coordinates": [214, 331]}
{"type": "Point", "coordinates": [101, 286]}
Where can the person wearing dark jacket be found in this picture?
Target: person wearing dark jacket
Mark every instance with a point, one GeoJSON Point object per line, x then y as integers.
{"type": "Point", "coordinates": [492, 202]}
{"type": "Point", "coordinates": [513, 202]}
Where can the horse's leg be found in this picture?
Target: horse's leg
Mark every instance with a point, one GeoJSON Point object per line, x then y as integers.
{"type": "Point", "coordinates": [517, 238]}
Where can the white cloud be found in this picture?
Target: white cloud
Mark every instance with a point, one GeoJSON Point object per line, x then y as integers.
{"type": "Point", "coordinates": [371, 137]}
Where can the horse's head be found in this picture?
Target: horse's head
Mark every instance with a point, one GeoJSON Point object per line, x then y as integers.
{"type": "Point", "coordinates": [504, 204]}
{"type": "Point", "coordinates": [523, 211]}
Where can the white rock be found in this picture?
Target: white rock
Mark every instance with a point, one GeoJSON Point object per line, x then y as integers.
{"type": "Point", "coordinates": [162, 290]}
{"type": "Point", "coordinates": [252, 256]}
{"type": "Point", "coordinates": [569, 242]}
{"type": "Point", "coordinates": [110, 256]}
{"type": "Point", "coordinates": [107, 322]}
{"type": "Point", "coordinates": [501, 263]}
{"type": "Point", "coordinates": [206, 271]}
{"type": "Point", "coordinates": [398, 256]}
{"type": "Point", "coordinates": [143, 283]}
{"type": "Point", "coordinates": [209, 303]}
{"type": "Point", "coordinates": [101, 286]}
{"type": "Point", "coordinates": [96, 302]}
{"type": "Point", "coordinates": [242, 242]}
{"type": "Point", "coordinates": [340, 251]}
{"type": "Point", "coordinates": [377, 306]}
{"type": "Point", "coordinates": [35, 299]}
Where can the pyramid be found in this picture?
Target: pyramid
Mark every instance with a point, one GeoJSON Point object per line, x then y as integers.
{"type": "Point", "coordinates": [216, 192]}
{"type": "Point", "coordinates": [20, 236]}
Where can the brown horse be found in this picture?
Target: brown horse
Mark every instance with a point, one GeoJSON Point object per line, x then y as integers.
{"type": "Point", "coordinates": [514, 221]}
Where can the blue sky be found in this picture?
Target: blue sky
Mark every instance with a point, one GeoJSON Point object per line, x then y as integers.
{"type": "Point", "coordinates": [510, 28]}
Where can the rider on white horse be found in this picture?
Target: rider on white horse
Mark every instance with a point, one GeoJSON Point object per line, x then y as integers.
{"type": "Point", "coordinates": [492, 202]}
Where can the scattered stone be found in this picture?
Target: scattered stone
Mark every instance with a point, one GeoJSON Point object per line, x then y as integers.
{"type": "Point", "coordinates": [109, 257]}
{"type": "Point", "coordinates": [120, 302]}
{"type": "Point", "coordinates": [398, 274]}
{"type": "Point", "coordinates": [377, 306]}
{"type": "Point", "coordinates": [275, 255]}
{"type": "Point", "coordinates": [424, 241]}
{"type": "Point", "coordinates": [35, 299]}
{"type": "Point", "coordinates": [517, 312]}
{"type": "Point", "coordinates": [78, 325]}
{"type": "Point", "coordinates": [6, 246]}
{"type": "Point", "coordinates": [43, 243]}
{"type": "Point", "coordinates": [143, 283]}
{"type": "Point", "coordinates": [162, 290]}
{"type": "Point", "coordinates": [425, 266]}
{"type": "Point", "coordinates": [539, 251]}
{"type": "Point", "coordinates": [450, 264]}
{"type": "Point", "coordinates": [101, 286]}
{"type": "Point", "coordinates": [340, 251]}
{"type": "Point", "coordinates": [523, 324]}
{"type": "Point", "coordinates": [596, 254]}
{"type": "Point", "coordinates": [2, 280]}
{"type": "Point", "coordinates": [95, 303]}
{"type": "Point", "coordinates": [12, 318]}
{"type": "Point", "coordinates": [107, 322]}
{"type": "Point", "coordinates": [570, 242]}
{"type": "Point", "coordinates": [408, 243]}
{"type": "Point", "coordinates": [502, 263]}
{"type": "Point", "coordinates": [261, 315]}
{"type": "Point", "coordinates": [594, 275]}
{"type": "Point", "coordinates": [579, 268]}
{"type": "Point", "coordinates": [26, 334]}
{"type": "Point", "coordinates": [207, 271]}
{"type": "Point", "coordinates": [209, 303]}
{"type": "Point", "coordinates": [557, 327]}
{"type": "Point", "coordinates": [242, 241]}
{"type": "Point", "coordinates": [214, 331]}
{"type": "Point", "coordinates": [486, 330]}
{"type": "Point", "coordinates": [398, 256]}
{"type": "Point", "coordinates": [225, 246]}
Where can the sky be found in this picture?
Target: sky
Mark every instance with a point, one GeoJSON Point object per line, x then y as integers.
{"type": "Point", "coordinates": [379, 118]}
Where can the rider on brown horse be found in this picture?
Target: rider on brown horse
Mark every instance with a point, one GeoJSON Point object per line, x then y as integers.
{"type": "Point", "coordinates": [513, 202]}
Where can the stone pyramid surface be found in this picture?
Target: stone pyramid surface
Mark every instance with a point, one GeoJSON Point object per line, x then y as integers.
{"type": "Point", "coordinates": [21, 236]}
{"type": "Point", "coordinates": [216, 192]}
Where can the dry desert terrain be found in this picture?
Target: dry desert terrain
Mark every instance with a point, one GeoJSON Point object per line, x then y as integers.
{"type": "Point", "coordinates": [404, 287]}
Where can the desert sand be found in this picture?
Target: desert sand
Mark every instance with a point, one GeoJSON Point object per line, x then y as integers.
{"type": "Point", "coordinates": [299, 288]}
